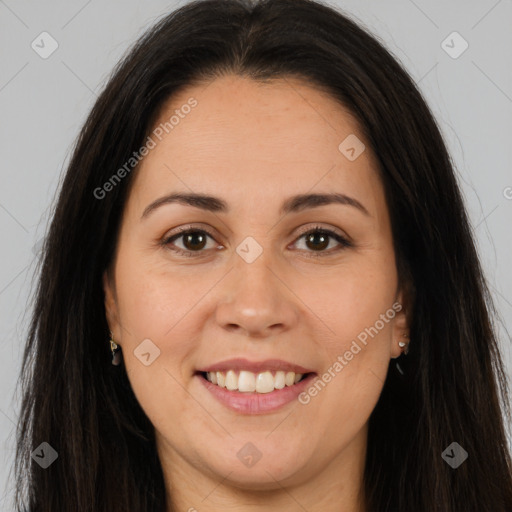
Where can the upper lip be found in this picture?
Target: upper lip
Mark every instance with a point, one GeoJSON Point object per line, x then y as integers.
{"type": "Point", "coordinates": [240, 364]}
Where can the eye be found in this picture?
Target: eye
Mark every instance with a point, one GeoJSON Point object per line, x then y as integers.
{"type": "Point", "coordinates": [318, 239]}
{"type": "Point", "coordinates": [194, 241]}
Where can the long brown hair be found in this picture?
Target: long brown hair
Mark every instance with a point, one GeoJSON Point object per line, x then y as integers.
{"type": "Point", "coordinates": [450, 384]}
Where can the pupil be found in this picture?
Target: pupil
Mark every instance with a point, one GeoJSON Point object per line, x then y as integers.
{"type": "Point", "coordinates": [322, 236]}
{"type": "Point", "coordinates": [190, 237]}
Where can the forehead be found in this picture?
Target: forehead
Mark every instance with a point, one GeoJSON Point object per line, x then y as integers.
{"type": "Point", "coordinates": [263, 139]}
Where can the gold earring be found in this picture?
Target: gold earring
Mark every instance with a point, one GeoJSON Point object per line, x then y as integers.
{"type": "Point", "coordinates": [116, 351]}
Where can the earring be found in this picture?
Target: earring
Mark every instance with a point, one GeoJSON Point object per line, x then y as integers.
{"type": "Point", "coordinates": [402, 344]}
{"type": "Point", "coordinates": [116, 351]}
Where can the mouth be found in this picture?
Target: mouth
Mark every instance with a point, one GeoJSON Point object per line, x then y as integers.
{"type": "Point", "coordinates": [251, 388]}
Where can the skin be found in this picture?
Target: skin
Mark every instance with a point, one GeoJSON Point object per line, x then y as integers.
{"type": "Point", "coordinates": [254, 145]}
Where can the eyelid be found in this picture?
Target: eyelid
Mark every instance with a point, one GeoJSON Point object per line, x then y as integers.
{"type": "Point", "coordinates": [181, 230]}
{"type": "Point", "coordinates": [317, 227]}
{"type": "Point", "coordinates": [343, 239]}
{"type": "Point", "coordinates": [187, 228]}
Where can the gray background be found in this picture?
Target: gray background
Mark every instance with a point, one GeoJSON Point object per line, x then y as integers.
{"type": "Point", "coordinates": [44, 102]}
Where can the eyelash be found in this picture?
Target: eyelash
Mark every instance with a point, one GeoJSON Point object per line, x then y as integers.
{"type": "Point", "coordinates": [314, 254]}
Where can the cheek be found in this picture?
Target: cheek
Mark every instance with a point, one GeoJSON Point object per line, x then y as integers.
{"type": "Point", "coordinates": [363, 301]}
{"type": "Point", "coordinates": [351, 299]}
{"type": "Point", "coordinates": [155, 305]}
{"type": "Point", "coordinates": [366, 344]}
{"type": "Point", "coordinates": [357, 306]}
{"type": "Point", "coordinates": [151, 298]}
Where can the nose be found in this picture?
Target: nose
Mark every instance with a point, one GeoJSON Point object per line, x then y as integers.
{"type": "Point", "coordinates": [256, 300]}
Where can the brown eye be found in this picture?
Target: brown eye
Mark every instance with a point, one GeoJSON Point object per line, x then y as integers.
{"type": "Point", "coordinates": [318, 239]}
{"type": "Point", "coordinates": [193, 240]}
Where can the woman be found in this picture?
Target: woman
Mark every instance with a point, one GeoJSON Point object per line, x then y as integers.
{"type": "Point", "coordinates": [261, 224]}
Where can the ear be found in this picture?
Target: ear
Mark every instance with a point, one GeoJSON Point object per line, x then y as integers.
{"type": "Point", "coordinates": [401, 329]}
{"type": "Point", "coordinates": [111, 306]}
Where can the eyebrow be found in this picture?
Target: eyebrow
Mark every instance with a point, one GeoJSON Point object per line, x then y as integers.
{"type": "Point", "coordinates": [293, 204]}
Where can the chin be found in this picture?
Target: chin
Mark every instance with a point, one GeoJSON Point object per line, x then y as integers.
{"type": "Point", "coordinates": [258, 469]}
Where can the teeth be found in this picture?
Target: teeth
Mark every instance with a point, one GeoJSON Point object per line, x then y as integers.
{"type": "Point", "coordinates": [264, 382]}
{"type": "Point", "coordinates": [279, 380]}
{"type": "Point", "coordinates": [231, 380]}
{"type": "Point", "coordinates": [248, 382]}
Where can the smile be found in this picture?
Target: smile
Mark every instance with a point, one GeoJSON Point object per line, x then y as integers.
{"type": "Point", "coordinates": [250, 382]}
{"type": "Point", "coordinates": [250, 387]}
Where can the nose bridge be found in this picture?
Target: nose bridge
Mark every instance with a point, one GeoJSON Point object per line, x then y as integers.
{"type": "Point", "coordinates": [254, 273]}
{"type": "Point", "coordinates": [257, 299]}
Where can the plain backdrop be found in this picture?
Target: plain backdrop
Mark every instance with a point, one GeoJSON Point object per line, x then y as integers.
{"type": "Point", "coordinates": [44, 102]}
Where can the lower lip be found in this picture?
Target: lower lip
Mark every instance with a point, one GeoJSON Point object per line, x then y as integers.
{"type": "Point", "coordinates": [257, 403]}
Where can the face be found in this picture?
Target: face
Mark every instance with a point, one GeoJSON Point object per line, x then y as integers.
{"type": "Point", "coordinates": [261, 287]}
